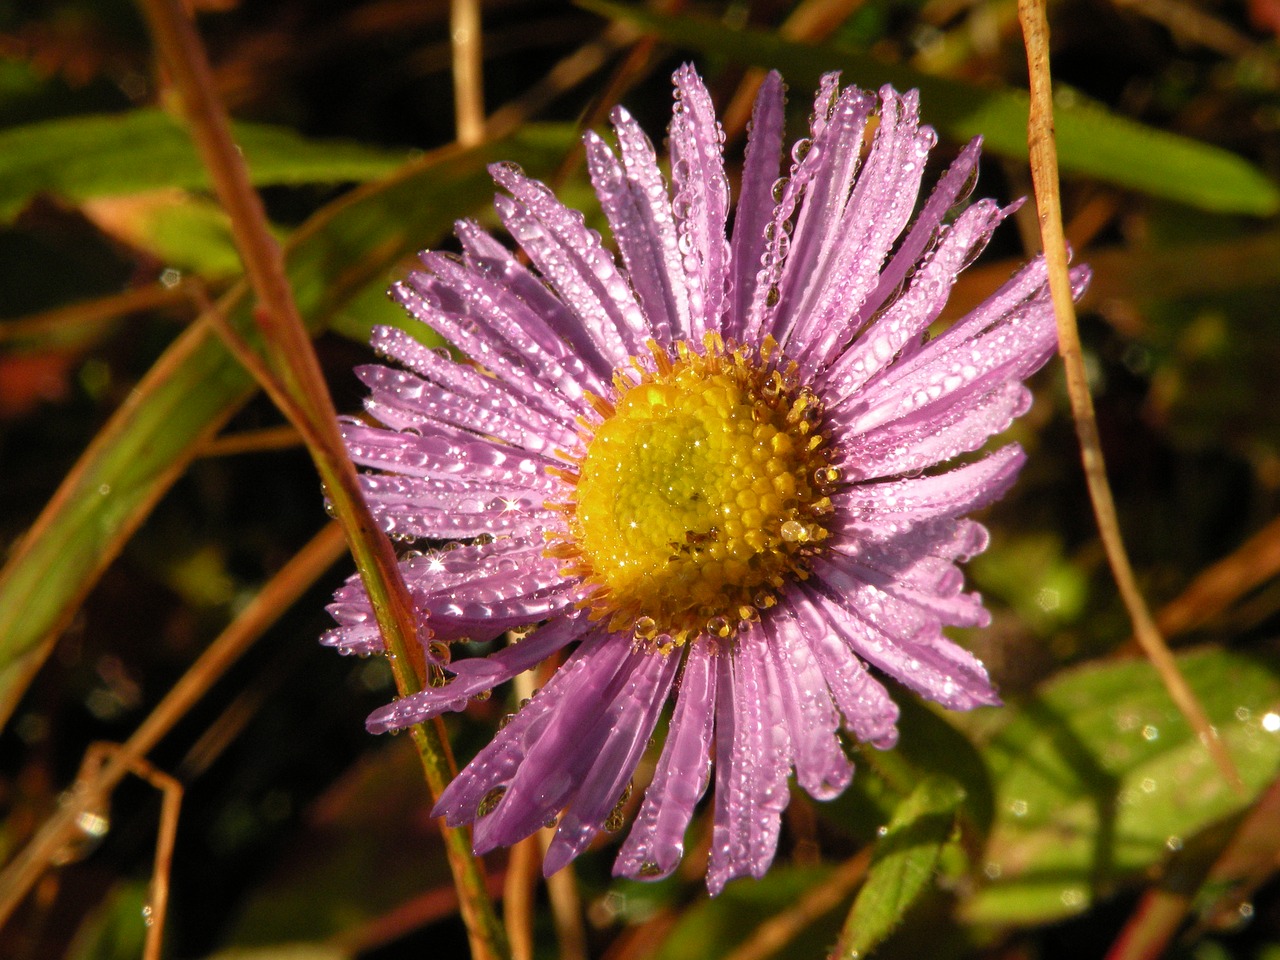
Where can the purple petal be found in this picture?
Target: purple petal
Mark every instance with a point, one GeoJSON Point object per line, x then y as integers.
{"type": "Point", "coordinates": [959, 422]}
{"type": "Point", "coordinates": [559, 758]}
{"type": "Point", "coordinates": [763, 312]}
{"type": "Point", "coordinates": [571, 257]}
{"type": "Point", "coordinates": [901, 639]}
{"type": "Point", "coordinates": [476, 676]}
{"type": "Point", "coordinates": [630, 722]}
{"type": "Point", "coordinates": [952, 188]}
{"type": "Point", "coordinates": [701, 200]}
{"type": "Point", "coordinates": [759, 172]}
{"type": "Point", "coordinates": [650, 193]}
{"type": "Point", "coordinates": [883, 510]}
{"type": "Point", "coordinates": [546, 330]}
{"type": "Point", "coordinates": [497, 763]}
{"type": "Point", "coordinates": [656, 843]}
{"type": "Point", "coordinates": [869, 713]}
{"type": "Point", "coordinates": [638, 237]}
{"type": "Point", "coordinates": [822, 767]}
{"type": "Point", "coordinates": [833, 161]}
{"type": "Point", "coordinates": [876, 213]}
{"type": "Point", "coordinates": [753, 759]}
{"type": "Point", "coordinates": [912, 313]}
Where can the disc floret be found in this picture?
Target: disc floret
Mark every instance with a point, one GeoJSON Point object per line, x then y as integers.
{"type": "Point", "coordinates": [700, 492]}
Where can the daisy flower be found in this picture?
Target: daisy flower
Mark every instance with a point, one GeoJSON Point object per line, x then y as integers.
{"type": "Point", "coordinates": [706, 473]}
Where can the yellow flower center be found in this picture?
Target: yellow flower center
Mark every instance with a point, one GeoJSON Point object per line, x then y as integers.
{"type": "Point", "coordinates": [699, 494]}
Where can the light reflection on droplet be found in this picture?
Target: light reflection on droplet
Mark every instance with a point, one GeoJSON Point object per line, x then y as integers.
{"type": "Point", "coordinates": [1150, 733]}
{"type": "Point", "coordinates": [1018, 808]}
{"type": "Point", "coordinates": [1271, 722]}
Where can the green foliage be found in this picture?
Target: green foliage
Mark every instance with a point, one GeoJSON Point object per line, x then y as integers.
{"type": "Point", "coordinates": [903, 864]}
{"type": "Point", "coordinates": [1098, 779]}
{"type": "Point", "coordinates": [340, 253]}
{"type": "Point", "coordinates": [79, 158]}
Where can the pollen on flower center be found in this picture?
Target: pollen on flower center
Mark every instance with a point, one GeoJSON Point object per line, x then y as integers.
{"type": "Point", "coordinates": [701, 492]}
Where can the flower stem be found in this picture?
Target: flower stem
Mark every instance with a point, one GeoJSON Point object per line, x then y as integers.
{"type": "Point", "coordinates": [298, 386]}
{"type": "Point", "coordinates": [1044, 174]}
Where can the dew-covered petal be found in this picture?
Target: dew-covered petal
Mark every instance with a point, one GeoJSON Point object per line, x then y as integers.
{"type": "Point", "coordinates": [548, 333]}
{"type": "Point", "coordinates": [753, 758]}
{"type": "Point", "coordinates": [822, 767]}
{"type": "Point", "coordinates": [475, 676]}
{"type": "Point", "coordinates": [655, 844]}
{"type": "Point", "coordinates": [832, 163]}
{"type": "Point", "coordinates": [952, 188]}
{"type": "Point", "coordinates": [403, 401]}
{"type": "Point", "coordinates": [495, 765]}
{"type": "Point", "coordinates": [475, 592]}
{"type": "Point", "coordinates": [439, 456]}
{"type": "Point", "coordinates": [902, 639]}
{"type": "Point", "coordinates": [558, 760]}
{"type": "Point", "coordinates": [630, 722]}
{"type": "Point", "coordinates": [883, 510]}
{"type": "Point", "coordinates": [760, 170]}
{"type": "Point", "coordinates": [570, 255]}
{"type": "Point", "coordinates": [877, 211]}
{"type": "Point", "coordinates": [439, 509]}
{"type": "Point", "coordinates": [912, 313]}
{"type": "Point", "coordinates": [654, 206]}
{"type": "Point", "coordinates": [788, 195]}
{"type": "Point", "coordinates": [700, 200]}
{"type": "Point", "coordinates": [869, 713]}
{"type": "Point", "coordinates": [638, 237]}
{"type": "Point", "coordinates": [960, 422]}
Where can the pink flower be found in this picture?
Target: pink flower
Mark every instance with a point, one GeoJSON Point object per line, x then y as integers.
{"type": "Point", "coordinates": [713, 470]}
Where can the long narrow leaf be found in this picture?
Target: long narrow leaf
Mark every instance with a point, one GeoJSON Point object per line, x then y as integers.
{"type": "Point", "coordinates": [196, 385]}
{"type": "Point", "coordinates": [81, 157]}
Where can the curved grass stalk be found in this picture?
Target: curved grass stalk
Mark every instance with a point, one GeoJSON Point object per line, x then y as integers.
{"type": "Point", "coordinates": [298, 387]}
{"type": "Point", "coordinates": [1044, 173]}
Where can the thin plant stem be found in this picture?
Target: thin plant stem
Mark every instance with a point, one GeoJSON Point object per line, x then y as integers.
{"type": "Point", "coordinates": [283, 437]}
{"type": "Point", "coordinates": [1044, 174]}
{"type": "Point", "coordinates": [465, 35]}
{"type": "Point", "coordinates": [49, 324]}
{"type": "Point", "coordinates": [292, 359]}
{"type": "Point", "coordinates": [21, 874]}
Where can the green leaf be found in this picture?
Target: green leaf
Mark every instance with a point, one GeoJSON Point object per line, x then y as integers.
{"type": "Point", "coordinates": [117, 154]}
{"type": "Point", "coordinates": [193, 389]}
{"type": "Point", "coordinates": [903, 864]}
{"type": "Point", "coordinates": [1091, 141]}
{"type": "Point", "coordinates": [1098, 779]}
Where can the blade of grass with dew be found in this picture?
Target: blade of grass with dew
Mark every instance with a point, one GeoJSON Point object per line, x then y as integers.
{"type": "Point", "coordinates": [196, 386]}
{"type": "Point", "coordinates": [1092, 141]}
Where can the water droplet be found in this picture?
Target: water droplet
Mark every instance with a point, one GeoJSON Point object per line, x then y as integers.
{"type": "Point", "coordinates": [489, 802]}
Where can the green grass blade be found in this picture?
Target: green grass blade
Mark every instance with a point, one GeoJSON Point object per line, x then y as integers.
{"type": "Point", "coordinates": [1092, 142]}
{"type": "Point", "coordinates": [196, 385]}
{"type": "Point", "coordinates": [117, 154]}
